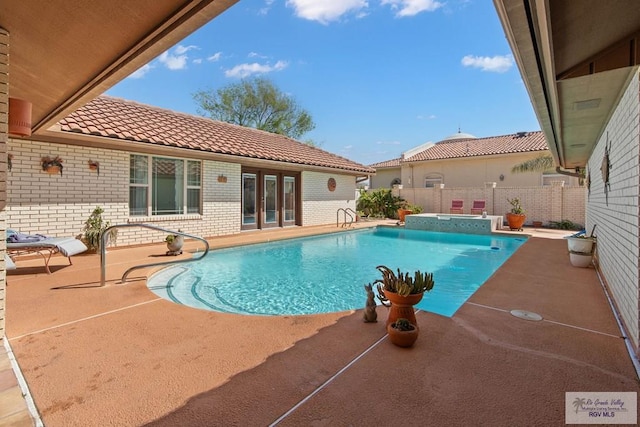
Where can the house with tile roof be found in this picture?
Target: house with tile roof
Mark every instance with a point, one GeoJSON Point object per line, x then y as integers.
{"type": "Point", "coordinates": [462, 160]}
{"type": "Point", "coordinates": [173, 170]}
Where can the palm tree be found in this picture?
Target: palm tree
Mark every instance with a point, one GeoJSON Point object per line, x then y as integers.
{"type": "Point", "coordinates": [539, 164]}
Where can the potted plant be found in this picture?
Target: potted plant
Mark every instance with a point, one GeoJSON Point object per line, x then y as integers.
{"type": "Point", "coordinates": [94, 226]}
{"type": "Point", "coordinates": [52, 165]}
{"type": "Point", "coordinates": [174, 243]}
{"type": "Point", "coordinates": [402, 332]}
{"type": "Point", "coordinates": [581, 248]}
{"type": "Point", "coordinates": [402, 291]}
{"type": "Point", "coordinates": [516, 217]}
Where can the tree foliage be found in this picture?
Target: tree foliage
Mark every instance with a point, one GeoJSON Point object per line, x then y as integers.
{"type": "Point", "coordinates": [538, 164]}
{"type": "Point", "coordinates": [256, 103]}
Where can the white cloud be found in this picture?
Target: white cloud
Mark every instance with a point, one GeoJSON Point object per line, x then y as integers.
{"type": "Point", "coordinates": [266, 8]}
{"type": "Point", "coordinates": [495, 64]}
{"type": "Point", "coordinates": [412, 7]}
{"type": "Point", "coordinates": [429, 117]}
{"type": "Point", "coordinates": [180, 50]}
{"type": "Point", "coordinates": [215, 57]}
{"type": "Point", "coordinates": [327, 10]}
{"type": "Point", "coordinates": [256, 55]}
{"type": "Point", "coordinates": [388, 142]}
{"type": "Point", "coordinates": [246, 70]}
{"type": "Point", "coordinates": [197, 61]}
{"type": "Point", "coordinates": [140, 72]}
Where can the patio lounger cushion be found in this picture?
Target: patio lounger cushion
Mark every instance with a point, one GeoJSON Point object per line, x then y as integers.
{"type": "Point", "coordinates": [20, 244]}
{"type": "Point", "coordinates": [9, 264]}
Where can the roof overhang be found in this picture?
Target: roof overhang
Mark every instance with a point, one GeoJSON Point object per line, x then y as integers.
{"type": "Point", "coordinates": [575, 58]}
{"type": "Point", "coordinates": [64, 53]}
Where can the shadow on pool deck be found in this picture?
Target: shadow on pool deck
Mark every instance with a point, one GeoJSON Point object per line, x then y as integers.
{"type": "Point", "coordinates": [119, 355]}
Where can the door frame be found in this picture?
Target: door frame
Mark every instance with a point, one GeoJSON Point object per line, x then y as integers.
{"type": "Point", "coordinates": [260, 175]}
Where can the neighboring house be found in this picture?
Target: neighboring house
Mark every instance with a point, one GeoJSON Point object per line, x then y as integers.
{"type": "Point", "coordinates": [175, 171]}
{"type": "Point", "coordinates": [462, 160]}
{"type": "Point", "coordinates": [388, 174]}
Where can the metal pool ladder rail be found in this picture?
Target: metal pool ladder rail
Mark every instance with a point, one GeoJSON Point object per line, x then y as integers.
{"type": "Point", "coordinates": [103, 250]}
{"type": "Point", "coordinates": [347, 212]}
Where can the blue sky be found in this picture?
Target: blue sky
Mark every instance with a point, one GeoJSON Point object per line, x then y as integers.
{"type": "Point", "coordinates": [378, 77]}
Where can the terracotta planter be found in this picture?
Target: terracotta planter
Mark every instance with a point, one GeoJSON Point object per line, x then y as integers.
{"type": "Point", "coordinates": [52, 170]}
{"type": "Point", "coordinates": [402, 213]}
{"type": "Point", "coordinates": [402, 307]}
{"type": "Point", "coordinates": [403, 338]}
{"type": "Point", "coordinates": [19, 117]}
{"type": "Point", "coordinates": [516, 221]}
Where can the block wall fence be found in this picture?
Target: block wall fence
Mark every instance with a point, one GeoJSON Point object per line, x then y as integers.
{"type": "Point", "coordinates": [59, 205]}
{"type": "Point", "coordinates": [549, 203]}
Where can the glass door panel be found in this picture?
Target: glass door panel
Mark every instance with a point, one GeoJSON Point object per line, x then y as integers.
{"type": "Point", "coordinates": [270, 197]}
{"type": "Point", "coordinates": [249, 200]}
{"type": "Point", "coordinates": [289, 199]}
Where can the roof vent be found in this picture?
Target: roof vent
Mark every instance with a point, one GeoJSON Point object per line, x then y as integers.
{"type": "Point", "coordinates": [521, 134]}
{"type": "Point", "coordinates": [587, 104]}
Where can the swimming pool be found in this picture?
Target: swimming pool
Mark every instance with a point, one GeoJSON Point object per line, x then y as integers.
{"type": "Point", "coordinates": [327, 273]}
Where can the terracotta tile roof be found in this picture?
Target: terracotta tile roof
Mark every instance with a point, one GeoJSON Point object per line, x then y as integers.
{"type": "Point", "coordinates": [127, 120]}
{"type": "Point", "coordinates": [523, 142]}
{"type": "Point", "coordinates": [395, 163]}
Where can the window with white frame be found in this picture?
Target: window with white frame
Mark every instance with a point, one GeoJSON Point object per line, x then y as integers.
{"type": "Point", "coordinates": [164, 186]}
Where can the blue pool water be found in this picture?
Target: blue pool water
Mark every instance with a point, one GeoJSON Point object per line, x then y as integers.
{"type": "Point", "coordinates": [327, 273]}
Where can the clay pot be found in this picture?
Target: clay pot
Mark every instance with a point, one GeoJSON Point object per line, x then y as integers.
{"type": "Point", "coordinates": [402, 307]}
{"type": "Point", "coordinates": [516, 221]}
{"type": "Point", "coordinates": [402, 213]}
{"type": "Point", "coordinates": [402, 338]}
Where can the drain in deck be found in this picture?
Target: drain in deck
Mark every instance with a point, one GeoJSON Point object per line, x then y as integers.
{"type": "Point", "coordinates": [526, 315]}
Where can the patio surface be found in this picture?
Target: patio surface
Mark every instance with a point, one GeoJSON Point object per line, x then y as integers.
{"type": "Point", "coordinates": [119, 355]}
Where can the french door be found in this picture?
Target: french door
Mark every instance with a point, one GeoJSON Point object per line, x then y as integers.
{"type": "Point", "coordinates": [269, 199]}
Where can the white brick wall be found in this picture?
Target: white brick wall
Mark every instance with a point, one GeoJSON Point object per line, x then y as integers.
{"type": "Point", "coordinates": [59, 205]}
{"type": "Point", "coordinates": [616, 216]}
{"type": "Point", "coordinates": [4, 127]}
{"type": "Point", "coordinates": [319, 205]}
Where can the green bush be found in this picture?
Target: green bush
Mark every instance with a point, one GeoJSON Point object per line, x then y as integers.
{"type": "Point", "coordinates": [380, 203]}
{"type": "Point", "coordinates": [565, 224]}
{"type": "Point", "coordinates": [94, 226]}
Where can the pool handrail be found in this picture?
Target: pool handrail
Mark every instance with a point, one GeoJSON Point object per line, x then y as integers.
{"type": "Point", "coordinates": [346, 212]}
{"type": "Point", "coordinates": [103, 250]}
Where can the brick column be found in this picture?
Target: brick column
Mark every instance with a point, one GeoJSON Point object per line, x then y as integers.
{"type": "Point", "coordinates": [557, 188]}
{"type": "Point", "coordinates": [4, 128]}
{"type": "Point", "coordinates": [489, 190]}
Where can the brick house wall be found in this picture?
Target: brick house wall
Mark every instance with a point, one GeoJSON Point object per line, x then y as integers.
{"type": "Point", "coordinates": [59, 205]}
{"type": "Point", "coordinates": [615, 211]}
{"type": "Point", "coordinates": [319, 204]}
{"type": "Point", "coordinates": [4, 129]}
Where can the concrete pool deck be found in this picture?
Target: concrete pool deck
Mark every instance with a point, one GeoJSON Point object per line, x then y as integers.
{"type": "Point", "coordinates": [119, 355]}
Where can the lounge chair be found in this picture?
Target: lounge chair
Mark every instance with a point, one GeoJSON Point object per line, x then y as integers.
{"type": "Point", "coordinates": [478, 207]}
{"type": "Point", "coordinates": [456, 207]}
{"type": "Point", "coordinates": [22, 244]}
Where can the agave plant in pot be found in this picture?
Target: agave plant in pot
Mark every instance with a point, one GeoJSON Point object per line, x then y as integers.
{"type": "Point", "coordinates": [402, 291]}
